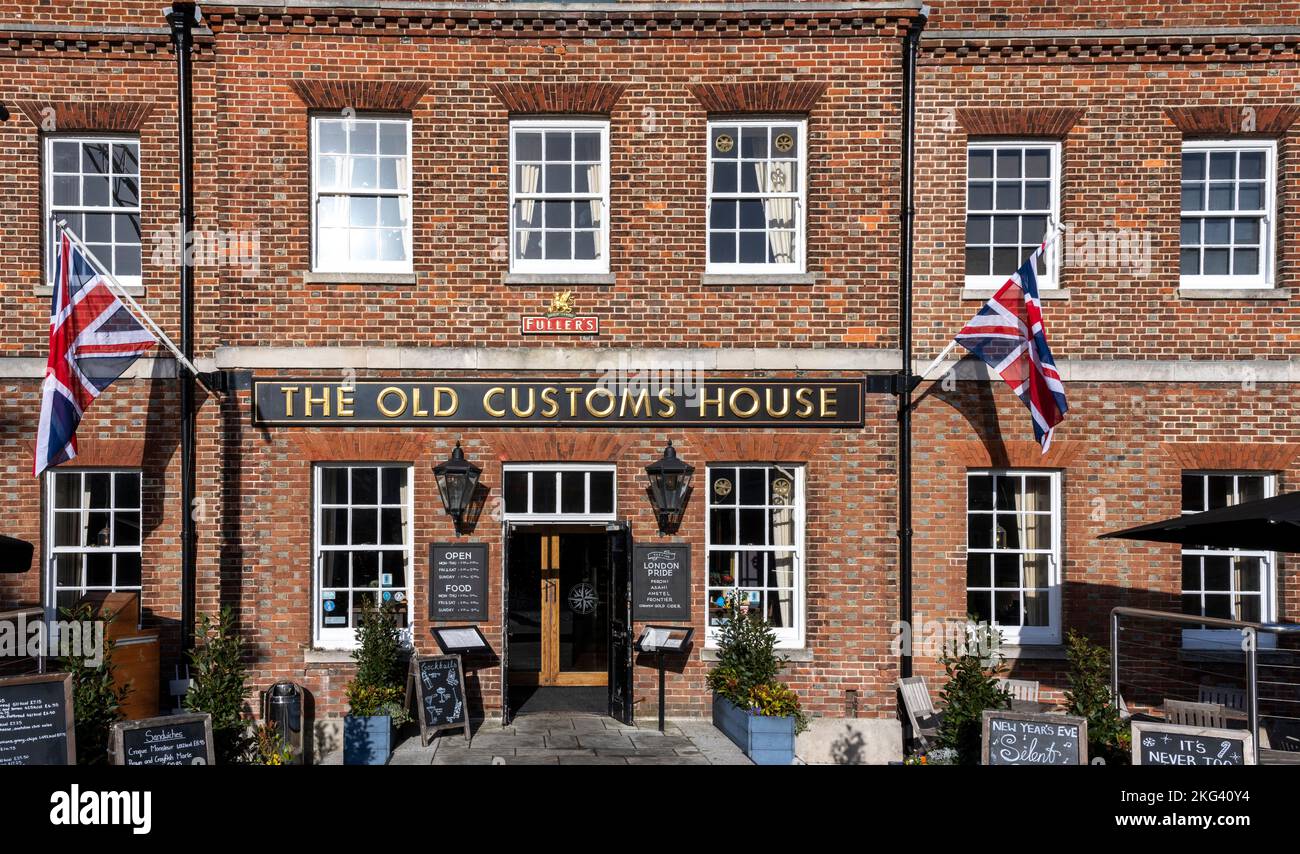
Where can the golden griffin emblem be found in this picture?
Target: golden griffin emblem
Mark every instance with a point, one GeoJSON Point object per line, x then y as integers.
{"type": "Point", "coordinates": [561, 303]}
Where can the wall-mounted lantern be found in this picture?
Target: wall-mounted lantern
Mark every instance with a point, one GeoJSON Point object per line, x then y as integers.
{"type": "Point", "coordinates": [670, 481]}
{"type": "Point", "coordinates": [457, 479]}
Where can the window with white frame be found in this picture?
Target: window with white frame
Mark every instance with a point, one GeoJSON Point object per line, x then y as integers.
{"type": "Point", "coordinates": [557, 491]}
{"type": "Point", "coordinates": [559, 196]}
{"type": "Point", "coordinates": [361, 194]}
{"type": "Point", "coordinates": [755, 545]}
{"type": "Point", "coordinates": [757, 178]}
{"type": "Point", "coordinates": [1227, 227]}
{"type": "Point", "coordinates": [93, 183]}
{"type": "Point", "coordinates": [93, 533]}
{"type": "Point", "coordinates": [1013, 553]}
{"type": "Point", "coordinates": [1234, 584]}
{"type": "Point", "coordinates": [363, 547]}
{"type": "Point", "coordinates": [1012, 191]}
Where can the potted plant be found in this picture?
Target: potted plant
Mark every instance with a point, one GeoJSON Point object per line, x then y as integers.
{"type": "Point", "coordinates": [760, 714]}
{"type": "Point", "coordinates": [972, 669]}
{"type": "Point", "coordinates": [376, 694]}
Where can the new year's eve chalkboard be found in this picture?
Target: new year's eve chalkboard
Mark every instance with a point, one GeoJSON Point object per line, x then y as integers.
{"type": "Point", "coordinates": [458, 582]}
{"type": "Point", "coordinates": [438, 684]}
{"type": "Point", "coordinates": [1159, 743]}
{"type": "Point", "coordinates": [171, 740]}
{"type": "Point", "coordinates": [661, 581]}
{"type": "Point", "coordinates": [1012, 738]}
{"type": "Point", "coordinates": [36, 726]}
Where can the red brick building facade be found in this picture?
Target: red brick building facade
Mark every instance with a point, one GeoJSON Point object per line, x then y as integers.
{"type": "Point", "coordinates": [719, 185]}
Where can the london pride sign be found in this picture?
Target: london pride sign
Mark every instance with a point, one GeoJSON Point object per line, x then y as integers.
{"type": "Point", "coordinates": [586, 403]}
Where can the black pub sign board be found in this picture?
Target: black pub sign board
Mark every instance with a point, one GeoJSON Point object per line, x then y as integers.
{"type": "Point", "coordinates": [437, 683]}
{"type": "Point", "coordinates": [458, 589]}
{"type": "Point", "coordinates": [36, 726]}
{"type": "Point", "coordinates": [558, 403]}
{"type": "Point", "coordinates": [661, 581]}
{"type": "Point", "coordinates": [1159, 743]}
{"type": "Point", "coordinates": [170, 740]}
{"type": "Point", "coordinates": [1013, 738]}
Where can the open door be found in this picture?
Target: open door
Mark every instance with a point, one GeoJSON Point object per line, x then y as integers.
{"type": "Point", "coordinates": [620, 621]}
{"type": "Point", "coordinates": [506, 530]}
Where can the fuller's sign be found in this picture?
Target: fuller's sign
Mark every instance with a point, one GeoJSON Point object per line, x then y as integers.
{"type": "Point", "coordinates": [587, 403]}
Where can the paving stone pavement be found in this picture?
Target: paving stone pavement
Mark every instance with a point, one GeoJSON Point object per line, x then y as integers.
{"type": "Point", "coordinates": [569, 739]}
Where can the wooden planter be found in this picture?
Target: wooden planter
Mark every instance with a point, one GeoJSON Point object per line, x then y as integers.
{"type": "Point", "coordinates": [767, 741]}
{"type": "Point", "coordinates": [367, 740]}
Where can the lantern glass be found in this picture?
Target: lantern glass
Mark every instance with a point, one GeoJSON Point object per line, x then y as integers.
{"type": "Point", "coordinates": [457, 479]}
{"type": "Point", "coordinates": [670, 481]}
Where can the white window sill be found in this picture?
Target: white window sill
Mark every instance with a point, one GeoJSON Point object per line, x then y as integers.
{"type": "Point", "coordinates": [987, 293]}
{"type": "Point", "coordinates": [1029, 652]}
{"type": "Point", "coordinates": [1234, 293]}
{"type": "Point", "coordinates": [801, 654]}
{"type": "Point", "coordinates": [47, 290]}
{"type": "Point", "coordinates": [558, 279]}
{"type": "Point", "coordinates": [759, 279]}
{"type": "Point", "coordinates": [311, 277]}
{"type": "Point", "coordinates": [327, 656]}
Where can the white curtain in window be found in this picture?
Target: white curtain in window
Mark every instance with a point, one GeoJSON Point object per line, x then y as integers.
{"type": "Point", "coordinates": [783, 536]}
{"type": "Point", "coordinates": [593, 184]}
{"type": "Point", "coordinates": [778, 178]}
{"type": "Point", "coordinates": [529, 175]}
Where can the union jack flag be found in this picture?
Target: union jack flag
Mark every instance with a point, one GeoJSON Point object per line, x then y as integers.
{"type": "Point", "coordinates": [93, 340]}
{"type": "Point", "coordinates": [1008, 334]}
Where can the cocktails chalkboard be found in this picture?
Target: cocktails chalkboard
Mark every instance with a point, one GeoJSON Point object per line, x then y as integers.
{"type": "Point", "coordinates": [1159, 743]}
{"type": "Point", "coordinates": [439, 691]}
{"type": "Point", "coordinates": [172, 740]}
{"type": "Point", "coordinates": [36, 726]}
{"type": "Point", "coordinates": [458, 582]}
{"type": "Point", "coordinates": [1012, 738]}
{"type": "Point", "coordinates": [661, 581]}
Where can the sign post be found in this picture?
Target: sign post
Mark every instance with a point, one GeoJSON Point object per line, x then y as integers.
{"type": "Point", "coordinates": [36, 721]}
{"type": "Point", "coordinates": [662, 640]}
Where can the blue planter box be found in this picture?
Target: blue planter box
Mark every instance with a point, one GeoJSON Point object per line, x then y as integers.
{"type": "Point", "coordinates": [767, 741]}
{"type": "Point", "coordinates": [367, 740]}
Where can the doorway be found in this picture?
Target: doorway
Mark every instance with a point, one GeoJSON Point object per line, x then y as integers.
{"type": "Point", "coordinates": [567, 617]}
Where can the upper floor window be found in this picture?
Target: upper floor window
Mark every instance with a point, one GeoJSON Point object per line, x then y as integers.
{"type": "Point", "coordinates": [361, 195]}
{"type": "Point", "coordinates": [1013, 553]}
{"type": "Point", "coordinates": [1012, 190]}
{"type": "Point", "coordinates": [93, 533]}
{"type": "Point", "coordinates": [1234, 584]}
{"type": "Point", "coordinates": [538, 491]}
{"type": "Point", "coordinates": [754, 545]}
{"type": "Point", "coordinates": [559, 196]}
{"type": "Point", "coordinates": [94, 184]}
{"type": "Point", "coordinates": [1227, 214]}
{"type": "Point", "coordinates": [757, 179]}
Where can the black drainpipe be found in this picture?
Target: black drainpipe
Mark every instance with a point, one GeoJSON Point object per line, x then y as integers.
{"type": "Point", "coordinates": [906, 381]}
{"type": "Point", "coordinates": [181, 17]}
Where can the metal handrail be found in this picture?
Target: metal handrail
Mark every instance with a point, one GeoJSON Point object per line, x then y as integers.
{"type": "Point", "coordinates": [1248, 629]}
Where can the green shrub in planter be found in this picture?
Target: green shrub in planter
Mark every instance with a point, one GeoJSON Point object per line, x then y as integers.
{"type": "Point", "coordinates": [1089, 697]}
{"type": "Point", "coordinates": [971, 688]}
{"type": "Point", "coordinates": [96, 699]}
{"type": "Point", "coordinates": [376, 695]}
{"type": "Point", "coordinates": [219, 686]}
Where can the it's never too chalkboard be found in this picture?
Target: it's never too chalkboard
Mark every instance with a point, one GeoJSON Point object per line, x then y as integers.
{"type": "Point", "coordinates": [458, 582]}
{"type": "Point", "coordinates": [1012, 738]}
{"type": "Point", "coordinates": [1159, 743]}
{"type": "Point", "coordinates": [172, 740]}
{"type": "Point", "coordinates": [36, 726]}
{"type": "Point", "coordinates": [661, 581]}
{"type": "Point", "coordinates": [439, 687]}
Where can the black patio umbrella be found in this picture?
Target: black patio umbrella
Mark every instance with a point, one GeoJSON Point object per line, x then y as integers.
{"type": "Point", "coordinates": [15, 554]}
{"type": "Point", "coordinates": [1270, 524]}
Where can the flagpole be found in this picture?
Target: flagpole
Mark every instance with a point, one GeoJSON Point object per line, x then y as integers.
{"type": "Point", "coordinates": [140, 314]}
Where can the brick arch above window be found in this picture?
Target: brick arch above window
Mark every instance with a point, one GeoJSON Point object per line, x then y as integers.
{"type": "Point", "coordinates": [727, 98]}
{"type": "Point", "coordinates": [565, 447]}
{"type": "Point", "coordinates": [380, 446]}
{"type": "Point", "coordinates": [110, 116]}
{"type": "Point", "coordinates": [1045, 122]}
{"type": "Point", "coordinates": [1015, 454]}
{"type": "Point", "coordinates": [1233, 121]}
{"type": "Point", "coordinates": [558, 98]}
{"type": "Point", "coordinates": [1232, 456]}
{"type": "Point", "coordinates": [751, 448]}
{"type": "Point", "coordinates": [99, 452]}
{"type": "Point", "coordinates": [399, 96]}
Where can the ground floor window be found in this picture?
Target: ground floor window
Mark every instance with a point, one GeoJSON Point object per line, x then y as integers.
{"type": "Point", "coordinates": [755, 545]}
{"type": "Point", "coordinates": [1235, 584]}
{"type": "Point", "coordinates": [363, 544]}
{"type": "Point", "coordinates": [1013, 524]}
{"type": "Point", "coordinates": [93, 533]}
{"type": "Point", "coordinates": [558, 491]}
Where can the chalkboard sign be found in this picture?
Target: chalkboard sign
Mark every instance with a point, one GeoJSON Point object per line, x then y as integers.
{"type": "Point", "coordinates": [439, 690]}
{"type": "Point", "coordinates": [661, 581]}
{"type": "Point", "coordinates": [1012, 738]}
{"type": "Point", "coordinates": [171, 740]}
{"type": "Point", "coordinates": [1159, 743]}
{"type": "Point", "coordinates": [36, 726]}
{"type": "Point", "coordinates": [458, 582]}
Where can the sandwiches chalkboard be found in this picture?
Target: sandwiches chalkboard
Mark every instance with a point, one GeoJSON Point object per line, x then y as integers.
{"type": "Point", "coordinates": [36, 725]}
{"type": "Point", "coordinates": [1013, 738]}
{"type": "Point", "coordinates": [438, 684]}
{"type": "Point", "coordinates": [171, 740]}
{"type": "Point", "coordinates": [1159, 743]}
